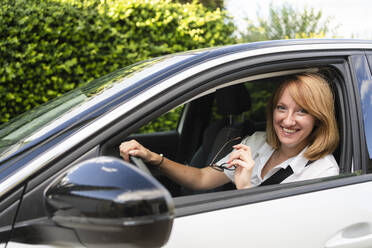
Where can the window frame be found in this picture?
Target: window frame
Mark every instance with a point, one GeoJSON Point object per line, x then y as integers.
{"type": "Point", "coordinates": [369, 61]}
{"type": "Point", "coordinates": [360, 153]}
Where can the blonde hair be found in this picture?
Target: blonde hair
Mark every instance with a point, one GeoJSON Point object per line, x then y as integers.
{"type": "Point", "coordinates": [312, 93]}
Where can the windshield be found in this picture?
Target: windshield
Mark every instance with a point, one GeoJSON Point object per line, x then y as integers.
{"type": "Point", "coordinates": [38, 121]}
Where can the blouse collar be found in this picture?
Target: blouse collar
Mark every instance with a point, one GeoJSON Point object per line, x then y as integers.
{"type": "Point", "coordinates": [297, 162]}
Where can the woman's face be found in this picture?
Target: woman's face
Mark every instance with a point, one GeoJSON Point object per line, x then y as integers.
{"type": "Point", "coordinates": [292, 124]}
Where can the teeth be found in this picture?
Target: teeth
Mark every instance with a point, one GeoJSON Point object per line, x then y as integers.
{"type": "Point", "coordinates": [289, 130]}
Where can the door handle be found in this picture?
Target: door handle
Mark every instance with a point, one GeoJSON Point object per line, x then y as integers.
{"type": "Point", "coordinates": [355, 236]}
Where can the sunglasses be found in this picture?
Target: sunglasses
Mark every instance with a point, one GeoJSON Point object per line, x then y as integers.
{"type": "Point", "coordinates": [223, 166]}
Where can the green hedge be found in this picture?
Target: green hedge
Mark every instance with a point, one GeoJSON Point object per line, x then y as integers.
{"type": "Point", "coordinates": [48, 47]}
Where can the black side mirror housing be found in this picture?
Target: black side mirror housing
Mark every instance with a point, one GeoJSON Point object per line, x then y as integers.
{"type": "Point", "coordinates": [111, 203]}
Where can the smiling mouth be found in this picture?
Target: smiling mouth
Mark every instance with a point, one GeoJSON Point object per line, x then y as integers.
{"type": "Point", "coordinates": [289, 130]}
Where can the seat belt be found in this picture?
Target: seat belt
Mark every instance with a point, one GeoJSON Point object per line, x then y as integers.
{"type": "Point", "coordinates": [281, 175]}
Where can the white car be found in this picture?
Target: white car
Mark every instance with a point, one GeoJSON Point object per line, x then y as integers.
{"type": "Point", "coordinates": [63, 183]}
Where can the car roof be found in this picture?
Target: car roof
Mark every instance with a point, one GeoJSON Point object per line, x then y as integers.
{"type": "Point", "coordinates": [228, 49]}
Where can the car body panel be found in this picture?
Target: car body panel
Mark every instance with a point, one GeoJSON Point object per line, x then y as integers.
{"type": "Point", "coordinates": [307, 220]}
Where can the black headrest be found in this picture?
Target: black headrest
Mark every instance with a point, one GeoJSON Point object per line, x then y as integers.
{"type": "Point", "coordinates": [233, 100]}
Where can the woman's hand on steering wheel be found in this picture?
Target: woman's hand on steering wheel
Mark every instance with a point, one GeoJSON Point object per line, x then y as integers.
{"type": "Point", "coordinates": [134, 152]}
{"type": "Point", "coordinates": [133, 148]}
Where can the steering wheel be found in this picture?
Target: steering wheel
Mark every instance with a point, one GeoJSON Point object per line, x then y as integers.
{"type": "Point", "coordinates": [140, 164]}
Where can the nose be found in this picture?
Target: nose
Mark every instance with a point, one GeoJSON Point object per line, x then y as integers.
{"type": "Point", "coordinates": [289, 120]}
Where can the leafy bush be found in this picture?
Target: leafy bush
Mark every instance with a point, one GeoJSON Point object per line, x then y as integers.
{"type": "Point", "coordinates": [287, 22]}
{"type": "Point", "coordinates": [166, 122]}
{"type": "Point", "coordinates": [49, 47]}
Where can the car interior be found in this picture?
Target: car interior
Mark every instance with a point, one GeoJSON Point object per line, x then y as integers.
{"type": "Point", "coordinates": [209, 120]}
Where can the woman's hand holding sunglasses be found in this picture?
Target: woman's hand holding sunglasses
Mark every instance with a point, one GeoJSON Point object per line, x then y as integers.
{"type": "Point", "coordinates": [242, 159]}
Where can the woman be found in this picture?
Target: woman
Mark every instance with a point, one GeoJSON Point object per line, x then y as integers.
{"type": "Point", "coordinates": [301, 133]}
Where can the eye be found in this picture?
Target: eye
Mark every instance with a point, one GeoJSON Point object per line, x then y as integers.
{"type": "Point", "coordinates": [303, 111]}
{"type": "Point", "coordinates": [280, 107]}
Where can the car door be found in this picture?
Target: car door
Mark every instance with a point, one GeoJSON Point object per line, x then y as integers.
{"type": "Point", "coordinates": [331, 212]}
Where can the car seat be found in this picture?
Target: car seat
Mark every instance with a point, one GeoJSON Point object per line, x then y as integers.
{"type": "Point", "coordinates": [231, 102]}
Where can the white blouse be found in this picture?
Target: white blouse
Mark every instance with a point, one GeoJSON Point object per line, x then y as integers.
{"type": "Point", "coordinates": [261, 152]}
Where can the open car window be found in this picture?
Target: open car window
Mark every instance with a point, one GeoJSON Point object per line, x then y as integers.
{"type": "Point", "coordinates": [184, 144]}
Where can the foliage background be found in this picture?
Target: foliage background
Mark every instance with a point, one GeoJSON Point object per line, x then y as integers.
{"type": "Point", "coordinates": [286, 22]}
{"type": "Point", "coordinates": [48, 47]}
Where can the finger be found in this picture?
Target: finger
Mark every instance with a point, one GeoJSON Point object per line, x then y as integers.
{"type": "Point", "coordinates": [125, 148]}
{"type": "Point", "coordinates": [246, 153]}
{"type": "Point", "coordinates": [135, 153]}
{"type": "Point", "coordinates": [240, 154]}
{"type": "Point", "coordinates": [124, 154]}
{"type": "Point", "coordinates": [239, 163]}
{"type": "Point", "coordinates": [130, 143]}
{"type": "Point", "coordinates": [244, 148]}
{"type": "Point", "coordinates": [233, 156]}
{"type": "Point", "coordinates": [230, 165]}
{"type": "Point", "coordinates": [241, 146]}
{"type": "Point", "coordinates": [249, 152]}
{"type": "Point", "coordinates": [140, 153]}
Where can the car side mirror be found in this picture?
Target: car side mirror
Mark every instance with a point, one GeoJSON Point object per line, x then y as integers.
{"type": "Point", "coordinates": [109, 202]}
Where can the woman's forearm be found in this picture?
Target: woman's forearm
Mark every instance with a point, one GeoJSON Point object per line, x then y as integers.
{"type": "Point", "coordinates": [187, 176]}
{"type": "Point", "coordinates": [191, 177]}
